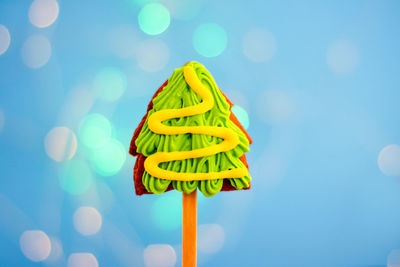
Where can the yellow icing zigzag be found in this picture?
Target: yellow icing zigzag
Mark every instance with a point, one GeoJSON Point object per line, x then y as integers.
{"type": "Point", "coordinates": [231, 140]}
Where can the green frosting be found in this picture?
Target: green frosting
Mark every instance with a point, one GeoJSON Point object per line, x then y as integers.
{"type": "Point", "coordinates": [175, 95]}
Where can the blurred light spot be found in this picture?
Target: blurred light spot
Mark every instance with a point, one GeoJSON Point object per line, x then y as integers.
{"type": "Point", "coordinates": [43, 13]}
{"type": "Point", "coordinates": [159, 256]}
{"type": "Point", "coordinates": [110, 158]}
{"type": "Point", "coordinates": [210, 40]}
{"type": "Point", "coordinates": [178, 252]}
{"type": "Point", "coordinates": [56, 250]}
{"type": "Point", "coordinates": [123, 41]}
{"type": "Point", "coordinates": [259, 45]}
{"type": "Point", "coordinates": [166, 211]}
{"type": "Point", "coordinates": [211, 238]}
{"type": "Point", "coordinates": [75, 176]}
{"type": "Point", "coordinates": [241, 115]}
{"type": "Point", "coordinates": [183, 9]}
{"type": "Point", "coordinates": [4, 39]}
{"type": "Point", "coordinates": [82, 260]}
{"type": "Point", "coordinates": [87, 220]}
{"type": "Point", "coordinates": [95, 131]}
{"type": "Point", "coordinates": [36, 51]}
{"type": "Point", "coordinates": [393, 259]}
{"type": "Point", "coordinates": [274, 107]}
{"type": "Point", "coordinates": [60, 144]}
{"type": "Point", "coordinates": [154, 19]}
{"type": "Point", "coordinates": [389, 160]}
{"type": "Point", "coordinates": [35, 245]}
{"type": "Point", "coordinates": [342, 57]}
{"type": "Point", "coordinates": [2, 120]}
{"type": "Point", "coordinates": [152, 55]}
{"type": "Point", "coordinates": [110, 84]}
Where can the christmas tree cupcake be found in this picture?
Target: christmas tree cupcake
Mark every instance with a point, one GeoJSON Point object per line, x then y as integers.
{"type": "Point", "coordinates": [190, 139]}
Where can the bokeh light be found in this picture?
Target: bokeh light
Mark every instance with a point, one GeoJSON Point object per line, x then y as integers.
{"type": "Point", "coordinates": [241, 115]}
{"type": "Point", "coordinates": [167, 211]}
{"type": "Point", "coordinates": [210, 40]}
{"type": "Point", "coordinates": [60, 144]}
{"type": "Point", "coordinates": [2, 120]}
{"type": "Point", "coordinates": [152, 55]}
{"type": "Point", "coordinates": [4, 39]}
{"type": "Point", "coordinates": [154, 18]}
{"type": "Point", "coordinates": [35, 245]}
{"type": "Point", "coordinates": [75, 176]}
{"type": "Point", "coordinates": [36, 51]}
{"type": "Point", "coordinates": [211, 238]}
{"type": "Point", "coordinates": [159, 255]}
{"type": "Point", "coordinates": [259, 45]}
{"type": "Point", "coordinates": [43, 13]}
{"type": "Point", "coordinates": [274, 106]}
{"type": "Point", "coordinates": [389, 160]}
{"type": "Point", "coordinates": [342, 57]}
{"type": "Point", "coordinates": [110, 84]}
{"type": "Point", "coordinates": [87, 220]}
{"type": "Point", "coordinates": [393, 259]}
{"type": "Point", "coordinates": [183, 9]}
{"type": "Point", "coordinates": [109, 159]}
{"type": "Point", "coordinates": [95, 131]}
{"type": "Point", "coordinates": [82, 260]}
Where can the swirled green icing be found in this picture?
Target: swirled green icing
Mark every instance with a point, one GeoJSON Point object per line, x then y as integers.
{"type": "Point", "coordinates": [175, 95]}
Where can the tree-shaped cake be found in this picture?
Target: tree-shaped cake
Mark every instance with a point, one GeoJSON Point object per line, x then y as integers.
{"type": "Point", "coordinates": [190, 139]}
{"type": "Point", "coordinates": [207, 126]}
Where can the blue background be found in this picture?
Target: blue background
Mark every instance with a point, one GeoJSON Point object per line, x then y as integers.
{"type": "Point", "coordinates": [318, 197]}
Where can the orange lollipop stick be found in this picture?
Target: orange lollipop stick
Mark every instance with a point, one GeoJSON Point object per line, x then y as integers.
{"type": "Point", "coordinates": [189, 229]}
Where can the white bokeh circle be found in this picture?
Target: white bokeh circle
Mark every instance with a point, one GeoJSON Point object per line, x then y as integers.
{"type": "Point", "coordinates": [5, 39]}
{"type": "Point", "coordinates": [35, 245]}
{"type": "Point", "coordinates": [159, 255]}
{"type": "Point", "coordinates": [36, 51]}
{"type": "Point", "coordinates": [82, 260]}
{"type": "Point", "coordinates": [60, 144]}
{"type": "Point", "coordinates": [43, 13]}
{"type": "Point", "coordinates": [389, 160]}
{"type": "Point", "coordinates": [87, 220]}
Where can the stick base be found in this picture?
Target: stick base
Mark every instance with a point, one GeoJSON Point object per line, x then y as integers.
{"type": "Point", "coordinates": [189, 229]}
